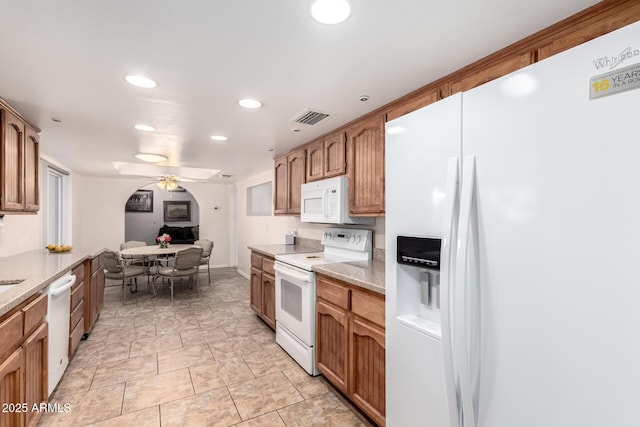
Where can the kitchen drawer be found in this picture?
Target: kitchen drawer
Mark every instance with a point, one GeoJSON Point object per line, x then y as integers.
{"type": "Point", "coordinates": [368, 306]}
{"type": "Point", "coordinates": [256, 260]}
{"type": "Point", "coordinates": [34, 314]}
{"type": "Point", "coordinates": [332, 292]}
{"type": "Point", "coordinates": [76, 315]}
{"type": "Point", "coordinates": [267, 265]}
{"type": "Point", "coordinates": [77, 294]}
{"type": "Point", "coordinates": [75, 336]}
{"type": "Point", "coordinates": [79, 273]}
{"type": "Point", "coordinates": [10, 333]}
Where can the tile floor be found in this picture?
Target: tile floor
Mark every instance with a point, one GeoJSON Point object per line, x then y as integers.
{"type": "Point", "coordinates": [201, 361]}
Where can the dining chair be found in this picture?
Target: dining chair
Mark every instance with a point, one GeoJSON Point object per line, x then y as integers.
{"type": "Point", "coordinates": [115, 268]}
{"type": "Point", "coordinates": [133, 259]}
{"type": "Point", "coordinates": [207, 248]}
{"type": "Point", "coordinates": [185, 264]}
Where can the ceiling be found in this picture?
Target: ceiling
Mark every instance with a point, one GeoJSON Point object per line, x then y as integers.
{"type": "Point", "coordinates": [67, 59]}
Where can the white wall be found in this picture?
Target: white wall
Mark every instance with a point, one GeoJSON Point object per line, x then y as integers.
{"type": "Point", "coordinates": [256, 230]}
{"type": "Point", "coordinates": [100, 216]}
{"type": "Point", "coordinates": [260, 230]}
{"type": "Point", "coordinates": [144, 226]}
{"type": "Point", "coordinates": [19, 233]}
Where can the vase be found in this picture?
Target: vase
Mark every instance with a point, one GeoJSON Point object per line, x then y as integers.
{"type": "Point", "coordinates": [164, 245]}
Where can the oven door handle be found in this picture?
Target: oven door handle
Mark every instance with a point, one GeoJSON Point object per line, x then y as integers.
{"type": "Point", "coordinates": [290, 273]}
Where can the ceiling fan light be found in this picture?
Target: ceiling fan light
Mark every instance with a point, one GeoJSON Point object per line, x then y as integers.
{"type": "Point", "coordinates": [172, 185]}
{"type": "Point", "coordinates": [151, 158]}
{"type": "Point", "coordinates": [330, 11]}
{"type": "Point", "coordinates": [162, 184]}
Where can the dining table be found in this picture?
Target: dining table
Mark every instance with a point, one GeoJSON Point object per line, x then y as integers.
{"type": "Point", "coordinates": [150, 251]}
{"type": "Point", "coordinates": [153, 251]}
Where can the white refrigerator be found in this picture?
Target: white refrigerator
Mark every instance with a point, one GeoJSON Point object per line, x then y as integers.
{"type": "Point", "coordinates": [531, 181]}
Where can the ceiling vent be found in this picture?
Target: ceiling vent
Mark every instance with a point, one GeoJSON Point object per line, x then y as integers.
{"type": "Point", "coordinates": [310, 117]}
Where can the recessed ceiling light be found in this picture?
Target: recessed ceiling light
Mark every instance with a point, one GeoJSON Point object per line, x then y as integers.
{"type": "Point", "coordinates": [218, 138]}
{"type": "Point", "coordinates": [151, 158]}
{"type": "Point", "coordinates": [141, 81]}
{"type": "Point", "coordinates": [250, 103]}
{"type": "Point", "coordinates": [145, 128]}
{"type": "Point", "coordinates": [330, 11]}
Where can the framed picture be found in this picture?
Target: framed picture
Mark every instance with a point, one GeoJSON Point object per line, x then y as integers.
{"type": "Point", "coordinates": [177, 211]}
{"type": "Point", "coordinates": [140, 201]}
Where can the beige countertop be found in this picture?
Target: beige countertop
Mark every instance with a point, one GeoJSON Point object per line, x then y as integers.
{"type": "Point", "coordinates": [365, 274]}
{"type": "Point", "coordinates": [38, 268]}
{"type": "Point", "coordinates": [273, 250]}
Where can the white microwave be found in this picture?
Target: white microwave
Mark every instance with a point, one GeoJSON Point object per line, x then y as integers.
{"type": "Point", "coordinates": [327, 202]}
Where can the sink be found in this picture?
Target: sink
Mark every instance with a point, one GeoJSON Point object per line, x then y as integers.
{"type": "Point", "coordinates": [4, 288]}
{"type": "Point", "coordinates": [6, 285]}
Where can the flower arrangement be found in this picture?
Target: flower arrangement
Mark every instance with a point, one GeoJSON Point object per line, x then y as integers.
{"type": "Point", "coordinates": [164, 240]}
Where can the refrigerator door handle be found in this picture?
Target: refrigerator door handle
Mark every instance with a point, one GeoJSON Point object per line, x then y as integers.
{"type": "Point", "coordinates": [449, 228]}
{"type": "Point", "coordinates": [463, 304]}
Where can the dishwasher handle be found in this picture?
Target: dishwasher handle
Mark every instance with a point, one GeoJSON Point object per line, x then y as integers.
{"type": "Point", "coordinates": [61, 285]}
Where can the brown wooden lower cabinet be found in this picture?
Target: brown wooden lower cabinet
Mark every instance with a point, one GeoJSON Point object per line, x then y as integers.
{"type": "Point", "coordinates": [332, 343]}
{"type": "Point", "coordinates": [93, 292]}
{"type": "Point", "coordinates": [76, 315]}
{"type": "Point", "coordinates": [367, 369]}
{"type": "Point", "coordinates": [350, 343]}
{"type": "Point", "coordinates": [256, 290]}
{"type": "Point", "coordinates": [23, 362]}
{"type": "Point", "coordinates": [263, 288]}
{"type": "Point", "coordinates": [36, 363]}
{"type": "Point", "coordinates": [12, 388]}
{"type": "Point", "coordinates": [269, 299]}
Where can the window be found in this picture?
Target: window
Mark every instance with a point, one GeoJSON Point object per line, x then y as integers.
{"type": "Point", "coordinates": [259, 200]}
{"type": "Point", "coordinates": [55, 204]}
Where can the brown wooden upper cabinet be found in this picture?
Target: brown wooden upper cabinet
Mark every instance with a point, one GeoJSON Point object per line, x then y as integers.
{"type": "Point", "coordinates": [326, 157]}
{"type": "Point", "coordinates": [289, 176]}
{"type": "Point", "coordinates": [19, 159]}
{"type": "Point", "coordinates": [365, 167]}
{"type": "Point", "coordinates": [478, 76]}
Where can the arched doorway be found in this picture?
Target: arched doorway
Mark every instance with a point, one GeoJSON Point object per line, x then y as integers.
{"type": "Point", "coordinates": [151, 208]}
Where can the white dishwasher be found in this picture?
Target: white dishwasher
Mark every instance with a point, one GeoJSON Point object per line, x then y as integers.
{"type": "Point", "coordinates": [58, 312]}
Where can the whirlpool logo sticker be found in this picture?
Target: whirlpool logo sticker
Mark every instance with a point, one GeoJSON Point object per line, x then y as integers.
{"type": "Point", "coordinates": [611, 62]}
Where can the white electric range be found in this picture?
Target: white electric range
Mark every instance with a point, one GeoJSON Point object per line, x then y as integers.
{"type": "Point", "coordinates": [296, 290]}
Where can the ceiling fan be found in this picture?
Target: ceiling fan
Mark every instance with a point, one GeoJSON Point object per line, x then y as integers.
{"type": "Point", "coordinates": [171, 182]}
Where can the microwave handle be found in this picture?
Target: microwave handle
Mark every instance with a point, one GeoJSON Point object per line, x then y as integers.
{"type": "Point", "coordinates": [325, 200]}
